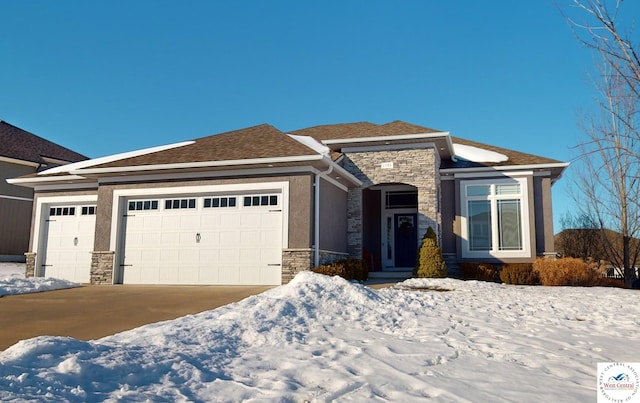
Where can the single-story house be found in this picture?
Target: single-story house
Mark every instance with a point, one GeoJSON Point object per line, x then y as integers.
{"type": "Point", "coordinates": [22, 153]}
{"type": "Point", "coordinates": [257, 205]}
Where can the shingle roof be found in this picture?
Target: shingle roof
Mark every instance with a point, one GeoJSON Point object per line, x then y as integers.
{"type": "Point", "coordinates": [362, 129]}
{"type": "Point", "coordinates": [515, 157]}
{"type": "Point", "coordinates": [21, 145]}
{"type": "Point", "coordinates": [263, 141]}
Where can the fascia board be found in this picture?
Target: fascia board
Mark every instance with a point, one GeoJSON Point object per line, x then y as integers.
{"type": "Point", "coordinates": [203, 164]}
{"type": "Point", "coordinates": [19, 162]}
{"type": "Point", "coordinates": [505, 168]}
{"type": "Point", "coordinates": [30, 182]}
{"type": "Point", "coordinates": [387, 138]}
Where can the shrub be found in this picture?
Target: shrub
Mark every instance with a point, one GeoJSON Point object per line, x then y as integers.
{"type": "Point", "coordinates": [350, 269]}
{"type": "Point", "coordinates": [567, 271]}
{"type": "Point", "coordinates": [429, 262]}
{"type": "Point", "coordinates": [519, 273]}
{"type": "Point", "coordinates": [478, 271]}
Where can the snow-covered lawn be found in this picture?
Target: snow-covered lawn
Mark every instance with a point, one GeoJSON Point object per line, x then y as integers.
{"type": "Point", "coordinates": [12, 281]}
{"type": "Point", "coordinates": [323, 339]}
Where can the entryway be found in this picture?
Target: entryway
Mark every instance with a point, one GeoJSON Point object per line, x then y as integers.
{"type": "Point", "coordinates": [390, 227]}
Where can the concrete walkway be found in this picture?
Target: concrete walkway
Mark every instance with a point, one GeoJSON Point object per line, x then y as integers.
{"type": "Point", "coordinates": [92, 312]}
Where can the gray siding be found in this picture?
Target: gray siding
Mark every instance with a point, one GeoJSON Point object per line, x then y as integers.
{"type": "Point", "coordinates": [333, 218]}
{"type": "Point", "coordinates": [15, 219]}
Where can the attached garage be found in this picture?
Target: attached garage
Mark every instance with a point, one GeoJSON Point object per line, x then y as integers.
{"type": "Point", "coordinates": [68, 241]}
{"type": "Point", "coordinates": [215, 238]}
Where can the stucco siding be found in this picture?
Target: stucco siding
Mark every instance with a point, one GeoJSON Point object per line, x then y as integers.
{"type": "Point", "coordinates": [333, 217]}
{"type": "Point", "coordinates": [300, 205]}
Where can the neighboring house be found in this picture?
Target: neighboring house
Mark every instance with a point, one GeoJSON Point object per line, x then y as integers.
{"type": "Point", "coordinates": [22, 153]}
{"type": "Point", "coordinates": [256, 206]}
{"type": "Point", "coordinates": [594, 243]}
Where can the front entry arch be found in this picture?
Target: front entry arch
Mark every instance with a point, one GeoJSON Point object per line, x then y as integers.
{"type": "Point", "coordinates": [390, 226]}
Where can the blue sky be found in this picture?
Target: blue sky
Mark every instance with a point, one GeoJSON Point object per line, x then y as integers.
{"type": "Point", "coordinates": [107, 77]}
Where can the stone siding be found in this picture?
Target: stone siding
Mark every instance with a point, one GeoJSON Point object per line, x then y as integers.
{"type": "Point", "coordinates": [415, 167]}
{"type": "Point", "coordinates": [295, 261]}
{"type": "Point", "coordinates": [30, 267]}
{"type": "Point", "coordinates": [102, 267]}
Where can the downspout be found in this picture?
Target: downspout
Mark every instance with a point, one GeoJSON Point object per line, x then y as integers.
{"type": "Point", "coordinates": [316, 218]}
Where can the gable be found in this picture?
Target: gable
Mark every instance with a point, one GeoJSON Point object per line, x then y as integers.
{"type": "Point", "coordinates": [263, 141]}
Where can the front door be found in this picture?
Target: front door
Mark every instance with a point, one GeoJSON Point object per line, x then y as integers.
{"type": "Point", "coordinates": [405, 239]}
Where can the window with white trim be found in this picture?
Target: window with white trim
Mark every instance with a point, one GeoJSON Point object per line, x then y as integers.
{"type": "Point", "coordinates": [141, 205]}
{"type": "Point", "coordinates": [219, 202]}
{"type": "Point", "coordinates": [174, 204]}
{"type": "Point", "coordinates": [495, 218]}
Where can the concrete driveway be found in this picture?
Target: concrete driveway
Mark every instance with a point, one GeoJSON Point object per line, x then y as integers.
{"type": "Point", "coordinates": [92, 312]}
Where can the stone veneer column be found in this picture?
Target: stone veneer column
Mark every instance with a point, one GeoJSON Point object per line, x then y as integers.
{"type": "Point", "coordinates": [295, 261]}
{"type": "Point", "coordinates": [30, 270]}
{"type": "Point", "coordinates": [418, 167]}
{"type": "Point", "coordinates": [102, 267]}
{"type": "Point", "coordinates": [354, 222]}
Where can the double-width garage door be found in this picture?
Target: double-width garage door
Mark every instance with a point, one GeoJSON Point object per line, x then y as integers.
{"type": "Point", "coordinates": [69, 242]}
{"type": "Point", "coordinates": [221, 239]}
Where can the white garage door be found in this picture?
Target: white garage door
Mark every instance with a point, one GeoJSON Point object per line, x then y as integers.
{"type": "Point", "coordinates": [68, 242]}
{"type": "Point", "coordinates": [222, 239]}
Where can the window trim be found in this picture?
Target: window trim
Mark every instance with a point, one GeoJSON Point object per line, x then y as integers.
{"type": "Point", "coordinates": [494, 252]}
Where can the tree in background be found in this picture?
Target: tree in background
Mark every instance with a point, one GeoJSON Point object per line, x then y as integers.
{"type": "Point", "coordinates": [607, 184]}
{"type": "Point", "coordinates": [579, 238]}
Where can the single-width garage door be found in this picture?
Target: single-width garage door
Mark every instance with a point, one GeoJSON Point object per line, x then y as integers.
{"type": "Point", "coordinates": [68, 242]}
{"type": "Point", "coordinates": [222, 239]}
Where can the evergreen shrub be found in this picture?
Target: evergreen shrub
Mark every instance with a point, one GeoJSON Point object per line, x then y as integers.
{"type": "Point", "coordinates": [429, 262]}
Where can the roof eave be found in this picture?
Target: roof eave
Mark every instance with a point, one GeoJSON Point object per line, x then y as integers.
{"type": "Point", "coordinates": [386, 138]}
{"type": "Point", "coordinates": [36, 181]}
{"type": "Point", "coordinates": [558, 166]}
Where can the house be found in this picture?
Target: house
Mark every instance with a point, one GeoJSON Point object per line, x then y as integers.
{"type": "Point", "coordinates": [22, 153]}
{"type": "Point", "coordinates": [601, 245]}
{"type": "Point", "coordinates": [256, 205]}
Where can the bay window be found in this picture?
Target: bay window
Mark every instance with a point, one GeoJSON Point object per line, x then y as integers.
{"type": "Point", "coordinates": [495, 218]}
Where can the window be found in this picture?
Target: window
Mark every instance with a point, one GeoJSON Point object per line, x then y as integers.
{"type": "Point", "coordinates": [402, 199]}
{"type": "Point", "coordinates": [260, 200]}
{"type": "Point", "coordinates": [495, 218]}
{"type": "Point", "coordinates": [88, 210]}
{"type": "Point", "coordinates": [219, 202]}
{"type": "Point", "coordinates": [173, 204]}
{"type": "Point", "coordinates": [141, 205]}
{"type": "Point", "coordinates": [62, 211]}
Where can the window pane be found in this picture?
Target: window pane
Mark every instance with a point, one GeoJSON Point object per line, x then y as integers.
{"type": "Point", "coordinates": [247, 201]}
{"type": "Point", "coordinates": [264, 200]}
{"type": "Point", "coordinates": [207, 203]}
{"type": "Point", "coordinates": [479, 190]}
{"type": "Point", "coordinates": [192, 203]}
{"type": "Point", "coordinates": [480, 225]}
{"type": "Point", "coordinates": [154, 205]}
{"type": "Point", "coordinates": [167, 204]}
{"type": "Point", "coordinates": [232, 202]}
{"type": "Point", "coordinates": [509, 230]}
{"type": "Point", "coordinates": [273, 200]}
{"type": "Point", "coordinates": [510, 189]}
{"type": "Point", "coordinates": [223, 202]}
{"type": "Point", "coordinates": [147, 205]}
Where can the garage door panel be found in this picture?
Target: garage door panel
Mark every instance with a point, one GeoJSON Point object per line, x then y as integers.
{"type": "Point", "coordinates": [68, 245]}
{"type": "Point", "coordinates": [188, 222]}
{"type": "Point", "coordinates": [229, 238]}
{"type": "Point", "coordinates": [170, 222]}
{"type": "Point", "coordinates": [217, 244]}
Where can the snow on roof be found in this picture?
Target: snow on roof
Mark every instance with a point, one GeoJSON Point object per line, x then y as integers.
{"type": "Point", "coordinates": [475, 154]}
{"type": "Point", "coordinates": [312, 143]}
{"type": "Point", "coordinates": [110, 158]}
